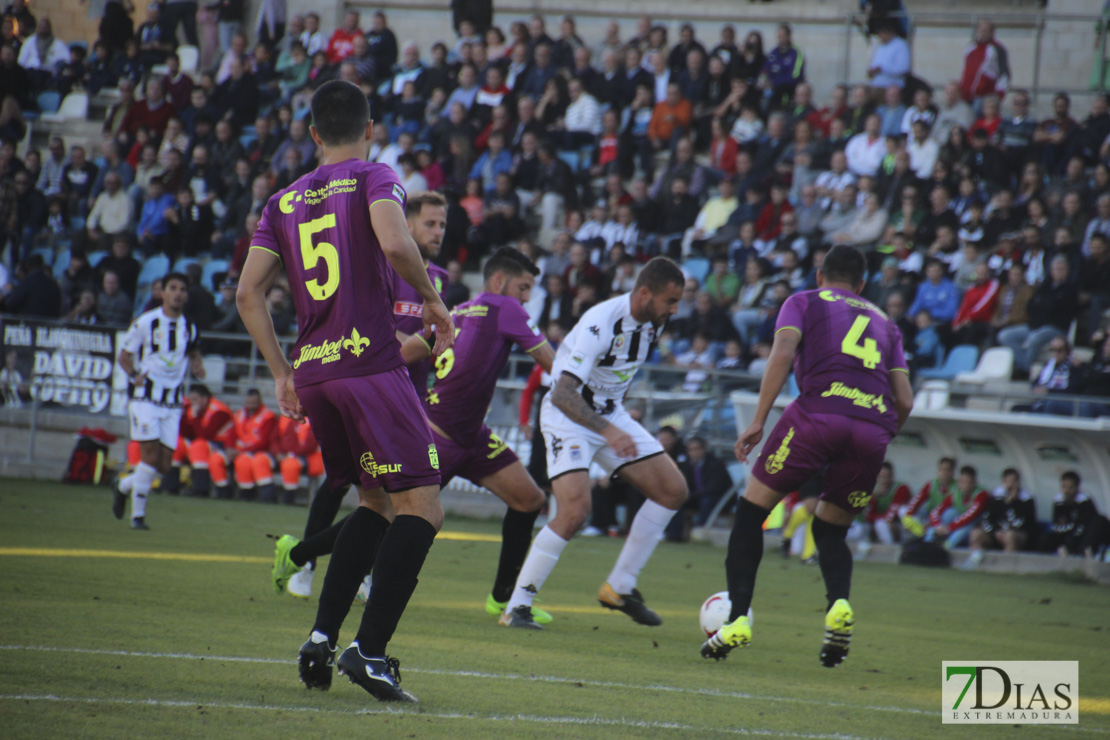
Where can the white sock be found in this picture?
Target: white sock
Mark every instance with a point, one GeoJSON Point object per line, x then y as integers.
{"type": "Point", "coordinates": [126, 482]}
{"type": "Point", "coordinates": [141, 481]}
{"type": "Point", "coordinates": [545, 552]}
{"type": "Point", "coordinates": [644, 535]}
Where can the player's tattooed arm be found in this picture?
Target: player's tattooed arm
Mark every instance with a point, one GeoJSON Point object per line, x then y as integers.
{"type": "Point", "coordinates": [567, 399]}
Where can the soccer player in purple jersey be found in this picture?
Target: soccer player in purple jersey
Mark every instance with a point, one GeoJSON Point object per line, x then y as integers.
{"type": "Point", "coordinates": [340, 232]}
{"type": "Point", "coordinates": [855, 396]}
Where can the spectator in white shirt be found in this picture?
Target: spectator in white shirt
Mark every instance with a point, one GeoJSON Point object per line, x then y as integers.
{"type": "Point", "coordinates": [312, 38]}
{"type": "Point", "coordinates": [43, 51]}
{"type": "Point", "coordinates": [834, 180]}
{"type": "Point", "coordinates": [890, 62]}
{"type": "Point", "coordinates": [112, 213]}
{"type": "Point", "coordinates": [923, 151]}
{"type": "Point", "coordinates": [865, 150]}
{"type": "Point", "coordinates": [582, 122]}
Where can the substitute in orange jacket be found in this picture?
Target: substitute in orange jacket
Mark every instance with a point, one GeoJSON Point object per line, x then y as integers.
{"type": "Point", "coordinates": [953, 519]}
{"type": "Point", "coordinates": [297, 454]}
{"type": "Point", "coordinates": [255, 432]}
{"type": "Point", "coordinates": [206, 425]}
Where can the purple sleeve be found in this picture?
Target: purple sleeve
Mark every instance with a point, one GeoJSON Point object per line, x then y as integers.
{"type": "Point", "coordinates": [264, 237]}
{"type": "Point", "coordinates": [384, 185]}
{"type": "Point", "coordinates": [791, 314]}
{"type": "Point", "coordinates": [513, 324]}
{"type": "Point", "coordinates": [898, 356]}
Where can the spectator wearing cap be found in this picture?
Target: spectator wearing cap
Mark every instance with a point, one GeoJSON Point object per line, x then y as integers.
{"type": "Point", "coordinates": [986, 65]}
{"type": "Point", "coordinates": [890, 61]}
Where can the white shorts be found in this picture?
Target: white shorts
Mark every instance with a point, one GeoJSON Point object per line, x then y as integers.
{"type": "Point", "coordinates": [571, 446]}
{"type": "Point", "coordinates": [150, 423]}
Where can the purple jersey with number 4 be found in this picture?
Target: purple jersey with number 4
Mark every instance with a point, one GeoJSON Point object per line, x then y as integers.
{"type": "Point", "coordinates": [408, 315]}
{"type": "Point", "coordinates": [466, 375]}
{"type": "Point", "coordinates": [339, 276]}
{"type": "Point", "coordinates": [847, 352]}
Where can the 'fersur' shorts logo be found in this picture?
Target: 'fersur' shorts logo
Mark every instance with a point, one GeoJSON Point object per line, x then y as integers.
{"type": "Point", "coordinates": [371, 466]}
{"type": "Point", "coordinates": [980, 692]}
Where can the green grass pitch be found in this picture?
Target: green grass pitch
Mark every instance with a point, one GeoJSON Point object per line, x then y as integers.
{"type": "Point", "coordinates": [176, 632]}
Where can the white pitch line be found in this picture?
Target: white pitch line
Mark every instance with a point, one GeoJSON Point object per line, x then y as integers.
{"type": "Point", "coordinates": [517, 677]}
{"type": "Point", "coordinates": [537, 719]}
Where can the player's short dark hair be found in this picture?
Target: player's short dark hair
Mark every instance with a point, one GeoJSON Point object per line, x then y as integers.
{"type": "Point", "coordinates": [658, 273]}
{"type": "Point", "coordinates": [969, 470]}
{"type": "Point", "coordinates": [180, 276]}
{"type": "Point", "coordinates": [1011, 471]}
{"type": "Point", "coordinates": [1072, 476]}
{"type": "Point", "coordinates": [697, 439]}
{"type": "Point", "coordinates": [340, 111]}
{"type": "Point", "coordinates": [416, 202]}
{"type": "Point", "coordinates": [200, 388]}
{"type": "Point", "coordinates": [844, 264]}
{"type": "Point", "coordinates": [512, 262]}
{"type": "Point", "coordinates": [254, 392]}
{"type": "Point", "coordinates": [950, 460]}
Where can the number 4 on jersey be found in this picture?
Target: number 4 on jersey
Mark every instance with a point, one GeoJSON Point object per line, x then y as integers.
{"type": "Point", "coordinates": [868, 351]}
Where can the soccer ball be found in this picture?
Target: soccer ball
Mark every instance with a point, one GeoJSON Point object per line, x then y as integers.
{"type": "Point", "coordinates": [715, 611]}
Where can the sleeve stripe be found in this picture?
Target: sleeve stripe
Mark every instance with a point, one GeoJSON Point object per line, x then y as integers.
{"type": "Point", "coordinates": [265, 249]}
{"type": "Point", "coordinates": [386, 200]}
{"type": "Point", "coordinates": [900, 370]}
{"type": "Point", "coordinates": [533, 349]}
{"type": "Point", "coordinates": [784, 328]}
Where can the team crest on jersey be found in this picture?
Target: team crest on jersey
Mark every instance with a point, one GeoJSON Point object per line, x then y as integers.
{"type": "Point", "coordinates": [619, 341]}
{"type": "Point", "coordinates": [858, 499]}
{"type": "Point", "coordinates": [776, 461]}
{"type": "Point", "coordinates": [356, 344]}
{"type": "Point", "coordinates": [577, 359]}
{"type": "Point", "coordinates": [399, 193]}
{"type": "Point", "coordinates": [433, 456]}
{"type": "Point", "coordinates": [575, 453]}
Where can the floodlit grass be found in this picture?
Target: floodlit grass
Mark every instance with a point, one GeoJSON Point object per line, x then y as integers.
{"type": "Point", "coordinates": [107, 646]}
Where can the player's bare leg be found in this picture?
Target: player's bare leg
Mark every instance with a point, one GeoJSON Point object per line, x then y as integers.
{"type": "Point", "coordinates": [572, 500]}
{"type": "Point", "coordinates": [745, 551]}
{"type": "Point", "coordinates": [515, 487]}
{"type": "Point", "coordinates": [155, 461]}
{"type": "Point", "coordinates": [830, 528]}
{"type": "Point", "coordinates": [659, 479]}
{"type": "Point", "coordinates": [400, 556]}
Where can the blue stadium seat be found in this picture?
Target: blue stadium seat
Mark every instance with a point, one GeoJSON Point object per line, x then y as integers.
{"type": "Point", "coordinates": [245, 140]}
{"type": "Point", "coordinates": [95, 257]}
{"type": "Point", "coordinates": [210, 270]}
{"type": "Point", "coordinates": [61, 262]}
{"type": "Point", "coordinates": [696, 267]}
{"type": "Point", "coordinates": [49, 101]}
{"type": "Point", "coordinates": [154, 268]}
{"type": "Point", "coordinates": [183, 262]}
{"type": "Point", "coordinates": [961, 359]}
{"type": "Point", "coordinates": [143, 295]}
{"type": "Point", "coordinates": [302, 114]}
{"type": "Point", "coordinates": [792, 390]}
{"type": "Point", "coordinates": [571, 158]}
{"type": "Point", "coordinates": [47, 255]}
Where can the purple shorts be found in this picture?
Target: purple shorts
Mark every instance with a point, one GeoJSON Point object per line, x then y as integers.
{"type": "Point", "coordinates": [488, 455]}
{"type": "Point", "coordinates": [847, 452]}
{"type": "Point", "coordinates": [372, 431]}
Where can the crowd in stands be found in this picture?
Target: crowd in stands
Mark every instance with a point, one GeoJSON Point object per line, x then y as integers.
{"type": "Point", "coordinates": [983, 225]}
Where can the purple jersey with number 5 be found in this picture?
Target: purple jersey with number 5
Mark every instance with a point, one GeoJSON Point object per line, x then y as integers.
{"type": "Point", "coordinates": [466, 375]}
{"type": "Point", "coordinates": [339, 276]}
{"type": "Point", "coordinates": [847, 352]}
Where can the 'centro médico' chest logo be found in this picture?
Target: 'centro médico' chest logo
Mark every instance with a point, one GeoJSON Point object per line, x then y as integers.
{"type": "Point", "coordinates": [327, 351]}
{"type": "Point", "coordinates": [312, 197]}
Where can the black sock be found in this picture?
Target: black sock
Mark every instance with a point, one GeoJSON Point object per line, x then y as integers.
{"type": "Point", "coordinates": [202, 482]}
{"type": "Point", "coordinates": [171, 481]}
{"type": "Point", "coordinates": [745, 550]}
{"type": "Point", "coordinates": [355, 550]}
{"type": "Point", "coordinates": [835, 558]}
{"type": "Point", "coordinates": [323, 510]}
{"type": "Point", "coordinates": [321, 543]}
{"type": "Point", "coordinates": [400, 559]}
{"type": "Point", "coordinates": [516, 537]}
{"type": "Point", "coordinates": [267, 493]}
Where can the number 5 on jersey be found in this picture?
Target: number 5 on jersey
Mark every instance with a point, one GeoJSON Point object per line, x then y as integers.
{"type": "Point", "coordinates": [311, 254]}
{"type": "Point", "coordinates": [868, 351]}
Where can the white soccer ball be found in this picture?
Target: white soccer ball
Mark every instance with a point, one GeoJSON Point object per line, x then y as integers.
{"type": "Point", "coordinates": [715, 611]}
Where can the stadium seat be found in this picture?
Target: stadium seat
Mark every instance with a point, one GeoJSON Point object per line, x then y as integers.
{"type": "Point", "coordinates": [154, 268]}
{"type": "Point", "coordinates": [143, 295]}
{"type": "Point", "coordinates": [47, 255]}
{"type": "Point", "coordinates": [738, 471]}
{"type": "Point", "coordinates": [697, 268]}
{"type": "Point", "coordinates": [792, 390]}
{"type": "Point", "coordinates": [997, 363]}
{"type": "Point", "coordinates": [961, 359]}
{"type": "Point", "coordinates": [932, 396]}
{"type": "Point", "coordinates": [49, 102]}
{"type": "Point", "coordinates": [215, 370]}
{"type": "Point", "coordinates": [95, 257]}
{"type": "Point", "coordinates": [210, 270]}
{"type": "Point", "coordinates": [183, 262]}
{"type": "Point", "coordinates": [74, 107]}
{"type": "Point", "coordinates": [245, 140]}
{"type": "Point", "coordinates": [189, 56]}
{"type": "Point", "coordinates": [571, 158]}
{"type": "Point", "coordinates": [61, 262]}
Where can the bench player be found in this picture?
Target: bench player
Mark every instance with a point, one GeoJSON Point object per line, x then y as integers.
{"type": "Point", "coordinates": [855, 396]}
{"type": "Point", "coordinates": [340, 232]}
{"type": "Point", "coordinates": [158, 350]}
{"type": "Point", "coordinates": [465, 380]}
{"type": "Point", "coordinates": [583, 421]}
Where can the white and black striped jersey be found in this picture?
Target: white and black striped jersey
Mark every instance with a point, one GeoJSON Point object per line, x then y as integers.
{"type": "Point", "coordinates": [604, 350]}
{"type": "Point", "coordinates": [161, 347]}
